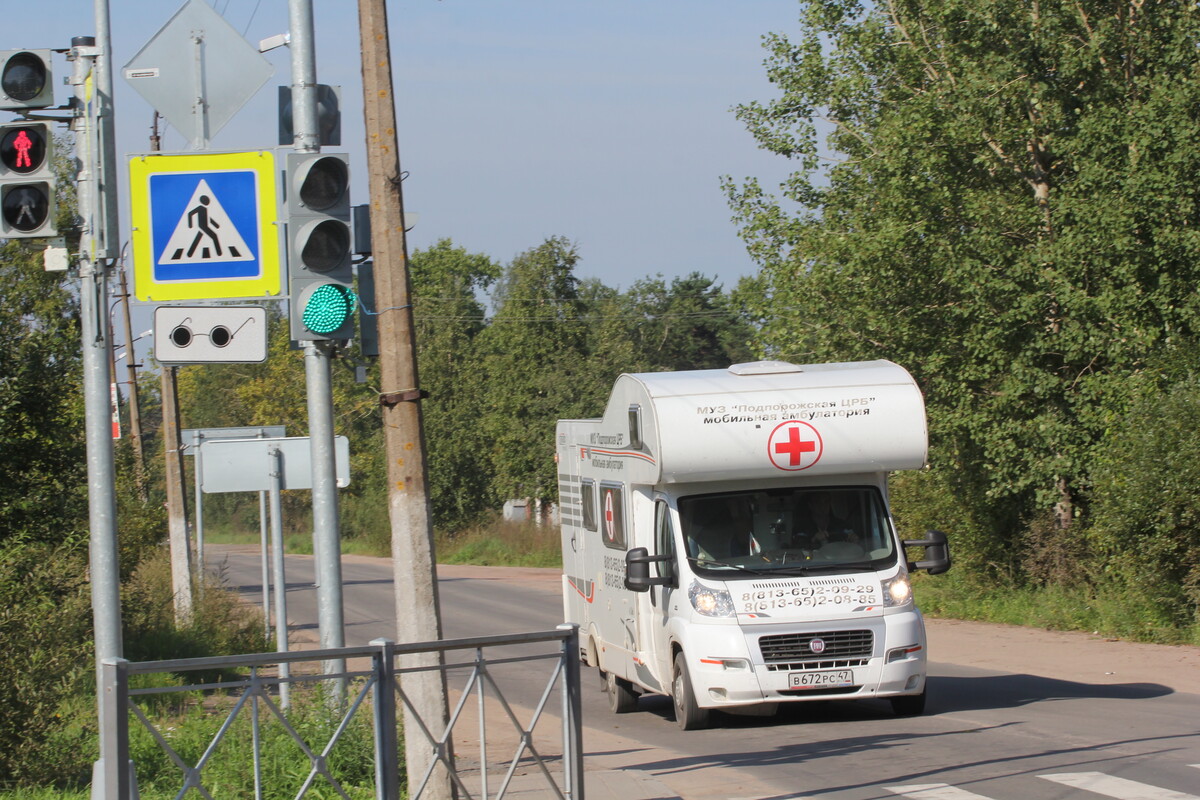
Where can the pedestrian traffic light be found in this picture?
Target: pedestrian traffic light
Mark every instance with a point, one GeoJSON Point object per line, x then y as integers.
{"type": "Point", "coordinates": [27, 183]}
{"type": "Point", "coordinates": [320, 275]}
{"type": "Point", "coordinates": [26, 80]}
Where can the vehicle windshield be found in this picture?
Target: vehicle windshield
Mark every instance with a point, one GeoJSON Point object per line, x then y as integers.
{"type": "Point", "coordinates": [793, 530]}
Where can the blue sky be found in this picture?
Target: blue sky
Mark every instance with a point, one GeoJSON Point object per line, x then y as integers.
{"type": "Point", "coordinates": [607, 122]}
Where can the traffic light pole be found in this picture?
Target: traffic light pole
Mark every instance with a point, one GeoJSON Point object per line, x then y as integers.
{"type": "Point", "coordinates": [326, 535]}
{"type": "Point", "coordinates": [110, 778]}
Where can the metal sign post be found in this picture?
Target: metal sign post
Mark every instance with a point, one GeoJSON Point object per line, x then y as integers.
{"type": "Point", "coordinates": [270, 465]}
{"type": "Point", "coordinates": [275, 475]}
{"type": "Point", "coordinates": [191, 439]}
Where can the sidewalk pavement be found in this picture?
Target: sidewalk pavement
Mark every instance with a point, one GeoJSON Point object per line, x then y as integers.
{"type": "Point", "coordinates": [601, 784]}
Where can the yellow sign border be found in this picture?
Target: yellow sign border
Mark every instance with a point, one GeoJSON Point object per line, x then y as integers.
{"type": "Point", "coordinates": [269, 282]}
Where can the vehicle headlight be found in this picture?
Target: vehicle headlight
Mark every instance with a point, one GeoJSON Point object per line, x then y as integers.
{"type": "Point", "coordinates": [710, 602]}
{"type": "Point", "coordinates": [897, 591]}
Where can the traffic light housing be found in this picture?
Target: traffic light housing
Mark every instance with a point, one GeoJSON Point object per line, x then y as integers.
{"type": "Point", "coordinates": [26, 80]}
{"type": "Point", "coordinates": [320, 275]}
{"type": "Point", "coordinates": [27, 182]}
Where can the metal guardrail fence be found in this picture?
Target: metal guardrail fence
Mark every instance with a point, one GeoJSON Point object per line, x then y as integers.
{"type": "Point", "coordinates": [379, 689]}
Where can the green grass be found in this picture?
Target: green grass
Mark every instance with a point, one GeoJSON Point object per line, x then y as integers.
{"type": "Point", "coordinates": [503, 544]}
{"type": "Point", "coordinates": [493, 543]}
{"type": "Point", "coordinates": [1106, 610]}
{"type": "Point", "coordinates": [190, 721]}
{"type": "Point", "coordinates": [42, 793]}
{"type": "Point", "coordinates": [192, 725]}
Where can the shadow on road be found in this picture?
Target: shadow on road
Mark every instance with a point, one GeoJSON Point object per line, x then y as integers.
{"type": "Point", "coordinates": [948, 693]}
{"type": "Point", "coordinates": [815, 727]}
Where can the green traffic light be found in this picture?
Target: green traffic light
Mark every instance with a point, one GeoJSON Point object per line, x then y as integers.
{"type": "Point", "coordinates": [327, 308]}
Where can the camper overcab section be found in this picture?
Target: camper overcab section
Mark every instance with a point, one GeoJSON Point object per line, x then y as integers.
{"type": "Point", "coordinates": [727, 542]}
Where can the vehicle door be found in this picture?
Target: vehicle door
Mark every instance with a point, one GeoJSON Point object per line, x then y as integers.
{"type": "Point", "coordinates": [654, 613]}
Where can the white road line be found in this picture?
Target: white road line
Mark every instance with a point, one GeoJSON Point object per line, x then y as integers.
{"type": "Point", "coordinates": [934, 791]}
{"type": "Point", "coordinates": [1119, 788]}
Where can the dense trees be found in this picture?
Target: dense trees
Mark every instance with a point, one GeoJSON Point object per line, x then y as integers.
{"type": "Point", "coordinates": [504, 352]}
{"type": "Point", "coordinates": [1001, 197]}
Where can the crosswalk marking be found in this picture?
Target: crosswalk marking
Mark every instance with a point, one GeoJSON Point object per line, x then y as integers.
{"type": "Point", "coordinates": [1119, 788]}
{"type": "Point", "coordinates": [934, 791]}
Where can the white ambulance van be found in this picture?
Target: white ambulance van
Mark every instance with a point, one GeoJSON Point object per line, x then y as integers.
{"type": "Point", "coordinates": [727, 542]}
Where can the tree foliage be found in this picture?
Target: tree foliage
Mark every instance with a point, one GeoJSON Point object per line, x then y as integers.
{"type": "Point", "coordinates": [41, 402]}
{"type": "Point", "coordinates": [447, 282]}
{"type": "Point", "coordinates": [998, 196]}
{"type": "Point", "coordinates": [533, 359]}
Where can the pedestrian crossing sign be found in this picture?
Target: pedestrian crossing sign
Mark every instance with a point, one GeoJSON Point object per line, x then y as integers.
{"type": "Point", "coordinates": [204, 226]}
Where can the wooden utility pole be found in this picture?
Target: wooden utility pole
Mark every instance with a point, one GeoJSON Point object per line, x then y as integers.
{"type": "Point", "coordinates": [135, 413]}
{"type": "Point", "coordinates": [418, 615]}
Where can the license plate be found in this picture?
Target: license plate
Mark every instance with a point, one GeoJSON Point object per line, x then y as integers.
{"type": "Point", "coordinates": [820, 680]}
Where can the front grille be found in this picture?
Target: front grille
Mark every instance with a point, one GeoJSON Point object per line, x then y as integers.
{"type": "Point", "coordinates": [794, 650]}
{"type": "Point", "coordinates": [804, 666]}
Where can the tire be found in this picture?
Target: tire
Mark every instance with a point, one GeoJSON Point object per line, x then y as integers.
{"type": "Point", "coordinates": [621, 697]}
{"type": "Point", "coordinates": [688, 715]}
{"type": "Point", "coordinates": [909, 705]}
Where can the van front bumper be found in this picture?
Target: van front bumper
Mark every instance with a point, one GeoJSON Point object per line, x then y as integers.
{"type": "Point", "coordinates": [729, 669]}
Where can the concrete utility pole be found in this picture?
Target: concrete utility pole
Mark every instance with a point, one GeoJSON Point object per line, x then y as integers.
{"type": "Point", "coordinates": [319, 381]}
{"type": "Point", "coordinates": [418, 614]}
{"type": "Point", "coordinates": [177, 533]}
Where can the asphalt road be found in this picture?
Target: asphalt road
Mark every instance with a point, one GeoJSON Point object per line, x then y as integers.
{"type": "Point", "coordinates": [987, 733]}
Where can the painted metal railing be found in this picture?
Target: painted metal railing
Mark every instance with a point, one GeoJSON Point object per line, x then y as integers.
{"type": "Point", "coordinates": [260, 688]}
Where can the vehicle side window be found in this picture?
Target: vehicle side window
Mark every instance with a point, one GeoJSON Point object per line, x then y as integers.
{"type": "Point", "coordinates": [587, 498]}
{"type": "Point", "coordinates": [664, 539]}
{"type": "Point", "coordinates": [612, 515]}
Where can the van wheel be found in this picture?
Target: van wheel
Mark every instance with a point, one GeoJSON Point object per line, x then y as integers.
{"type": "Point", "coordinates": [621, 697]}
{"type": "Point", "coordinates": [909, 705]}
{"type": "Point", "coordinates": [688, 715]}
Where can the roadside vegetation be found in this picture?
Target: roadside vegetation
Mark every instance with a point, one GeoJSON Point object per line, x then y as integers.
{"type": "Point", "coordinates": [1001, 201]}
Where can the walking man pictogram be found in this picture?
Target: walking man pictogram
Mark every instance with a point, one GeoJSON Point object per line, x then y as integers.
{"type": "Point", "coordinates": [23, 144]}
{"type": "Point", "coordinates": [199, 214]}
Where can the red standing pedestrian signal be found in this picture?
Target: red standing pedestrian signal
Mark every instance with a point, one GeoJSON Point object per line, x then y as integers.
{"type": "Point", "coordinates": [27, 181]}
{"type": "Point", "coordinates": [23, 148]}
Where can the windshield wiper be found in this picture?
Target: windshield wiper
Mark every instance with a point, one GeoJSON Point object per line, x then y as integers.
{"type": "Point", "coordinates": [851, 566]}
{"type": "Point", "coordinates": [712, 562]}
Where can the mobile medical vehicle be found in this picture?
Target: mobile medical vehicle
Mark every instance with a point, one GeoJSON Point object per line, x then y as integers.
{"type": "Point", "coordinates": [727, 541]}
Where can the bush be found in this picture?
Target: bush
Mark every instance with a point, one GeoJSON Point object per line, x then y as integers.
{"type": "Point", "coordinates": [1146, 510]}
{"type": "Point", "coordinates": [220, 624]}
{"type": "Point", "coordinates": [45, 657]}
{"type": "Point", "coordinates": [47, 701]}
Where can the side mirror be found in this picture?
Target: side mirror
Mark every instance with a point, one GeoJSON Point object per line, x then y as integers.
{"type": "Point", "coordinates": [637, 570]}
{"type": "Point", "coordinates": [937, 552]}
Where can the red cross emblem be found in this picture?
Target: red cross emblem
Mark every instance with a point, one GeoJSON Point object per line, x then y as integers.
{"type": "Point", "coordinates": [794, 445]}
{"type": "Point", "coordinates": [610, 527]}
